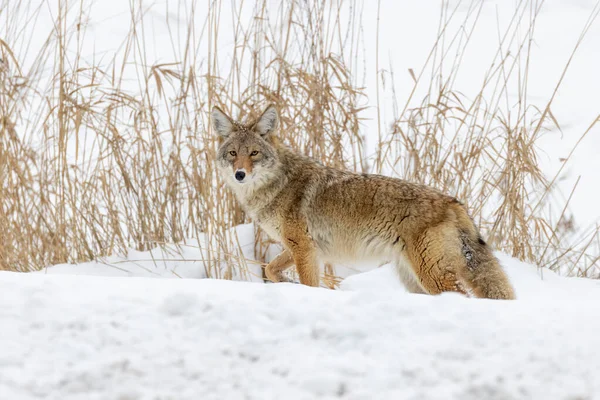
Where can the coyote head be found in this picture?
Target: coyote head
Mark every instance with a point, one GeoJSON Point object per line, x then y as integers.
{"type": "Point", "coordinates": [246, 154]}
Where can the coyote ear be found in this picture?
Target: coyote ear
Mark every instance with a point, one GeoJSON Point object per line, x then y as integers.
{"type": "Point", "coordinates": [222, 124]}
{"type": "Point", "coordinates": [268, 121]}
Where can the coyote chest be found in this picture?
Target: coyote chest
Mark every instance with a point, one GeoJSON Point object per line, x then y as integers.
{"type": "Point", "coordinates": [268, 223]}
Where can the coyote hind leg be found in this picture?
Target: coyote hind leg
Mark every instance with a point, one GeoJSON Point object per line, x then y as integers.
{"type": "Point", "coordinates": [274, 270]}
{"type": "Point", "coordinates": [407, 276]}
{"type": "Point", "coordinates": [436, 258]}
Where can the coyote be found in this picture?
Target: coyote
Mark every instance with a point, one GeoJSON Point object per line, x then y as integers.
{"type": "Point", "coordinates": [325, 214]}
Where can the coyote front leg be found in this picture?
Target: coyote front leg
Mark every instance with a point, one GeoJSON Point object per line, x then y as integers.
{"type": "Point", "coordinates": [274, 270]}
{"type": "Point", "coordinates": [302, 249]}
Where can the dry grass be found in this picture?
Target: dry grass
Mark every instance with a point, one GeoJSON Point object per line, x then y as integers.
{"type": "Point", "coordinates": [98, 156]}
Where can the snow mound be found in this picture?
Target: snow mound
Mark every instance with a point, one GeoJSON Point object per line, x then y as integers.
{"type": "Point", "coordinates": [189, 259]}
{"type": "Point", "coordinates": [83, 337]}
{"type": "Point", "coordinates": [529, 282]}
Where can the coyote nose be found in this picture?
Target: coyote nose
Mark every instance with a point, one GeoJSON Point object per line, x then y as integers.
{"type": "Point", "coordinates": [240, 175]}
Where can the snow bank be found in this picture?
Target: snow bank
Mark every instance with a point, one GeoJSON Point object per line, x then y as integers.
{"type": "Point", "coordinates": [189, 259]}
{"type": "Point", "coordinates": [84, 337]}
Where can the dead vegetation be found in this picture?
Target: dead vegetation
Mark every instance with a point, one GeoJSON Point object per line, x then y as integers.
{"type": "Point", "coordinates": [102, 154]}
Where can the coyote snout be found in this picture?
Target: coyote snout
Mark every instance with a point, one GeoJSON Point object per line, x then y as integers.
{"type": "Point", "coordinates": [240, 174]}
{"type": "Point", "coordinates": [326, 214]}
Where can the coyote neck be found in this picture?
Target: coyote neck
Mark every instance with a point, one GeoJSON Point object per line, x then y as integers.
{"type": "Point", "coordinates": [258, 196]}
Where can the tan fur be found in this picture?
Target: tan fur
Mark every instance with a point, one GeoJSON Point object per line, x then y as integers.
{"type": "Point", "coordinates": [275, 269]}
{"type": "Point", "coordinates": [322, 213]}
{"type": "Point", "coordinates": [241, 162]}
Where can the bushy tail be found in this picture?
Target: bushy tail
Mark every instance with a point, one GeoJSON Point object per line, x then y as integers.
{"type": "Point", "coordinates": [483, 273]}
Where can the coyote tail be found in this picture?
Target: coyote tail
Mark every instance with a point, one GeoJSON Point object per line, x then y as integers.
{"type": "Point", "coordinates": [483, 272]}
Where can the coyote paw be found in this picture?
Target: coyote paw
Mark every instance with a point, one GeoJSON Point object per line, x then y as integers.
{"type": "Point", "coordinates": [282, 277]}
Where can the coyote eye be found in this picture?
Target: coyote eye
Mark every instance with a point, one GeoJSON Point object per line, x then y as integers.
{"type": "Point", "coordinates": [233, 153]}
{"type": "Point", "coordinates": [254, 153]}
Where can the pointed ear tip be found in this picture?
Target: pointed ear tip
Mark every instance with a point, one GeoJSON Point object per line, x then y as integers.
{"type": "Point", "coordinates": [272, 109]}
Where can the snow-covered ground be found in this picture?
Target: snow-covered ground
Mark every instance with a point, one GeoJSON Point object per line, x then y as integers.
{"type": "Point", "coordinates": [89, 337]}
{"type": "Point", "coordinates": [189, 259]}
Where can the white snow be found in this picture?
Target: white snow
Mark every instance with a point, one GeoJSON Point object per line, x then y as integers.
{"type": "Point", "coordinates": [94, 337]}
{"type": "Point", "coordinates": [192, 258]}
